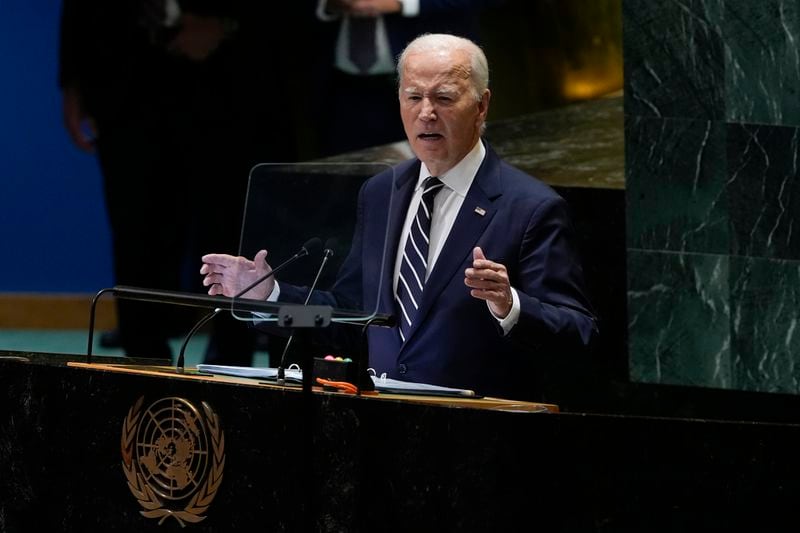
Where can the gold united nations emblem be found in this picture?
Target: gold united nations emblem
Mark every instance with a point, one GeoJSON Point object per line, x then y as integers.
{"type": "Point", "coordinates": [173, 456]}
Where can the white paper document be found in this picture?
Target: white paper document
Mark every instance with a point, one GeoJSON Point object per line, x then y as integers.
{"type": "Point", "coordinates": [382, 384]}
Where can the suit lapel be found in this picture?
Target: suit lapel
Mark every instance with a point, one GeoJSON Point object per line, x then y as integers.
{"type": "Point", "coordinates": [474, 216]}
{"type": "Point", "coordinates": [402, 191]}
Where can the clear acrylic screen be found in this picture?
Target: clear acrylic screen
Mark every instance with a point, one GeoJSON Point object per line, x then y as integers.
{"type": "Point", "coordinates": [289, 204]}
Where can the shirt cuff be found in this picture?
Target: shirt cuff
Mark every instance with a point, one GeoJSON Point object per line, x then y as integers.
{"type": "Point", "coordinates": [273, 297]}
{"type": "Point", "coordinates": [410, 8]}
{"type": "Point", "coordinates": [276, 292]}
{"type": "Point", "coordinates": [513, 316]}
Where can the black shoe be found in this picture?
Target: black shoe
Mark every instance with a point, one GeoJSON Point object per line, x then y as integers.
{"type": "Point", "coordinates": [110, 339]}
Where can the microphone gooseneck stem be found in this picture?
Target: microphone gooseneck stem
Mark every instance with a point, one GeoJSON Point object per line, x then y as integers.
{"type": "Point", "coordinates": [298, 255]}
{"type": "Point", "coordinates": [202, 322]}
{"type": "Point", "coordinates": [281, 374]}
{"type": "Point", "coordinates": [310, 244]}
{"type": "Point", "coordinates": [92, 313]}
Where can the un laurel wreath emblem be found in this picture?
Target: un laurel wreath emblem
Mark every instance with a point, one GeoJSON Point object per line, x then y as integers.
{"type": "Point", "coordinates": [173, 456]}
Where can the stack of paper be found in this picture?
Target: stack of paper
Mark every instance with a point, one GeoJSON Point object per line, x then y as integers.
{"type": "Point", "coordinates": [382, 384]}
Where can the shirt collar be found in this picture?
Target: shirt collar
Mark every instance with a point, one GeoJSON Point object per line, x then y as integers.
{"type": "Point", "coordinates": [459, 178]}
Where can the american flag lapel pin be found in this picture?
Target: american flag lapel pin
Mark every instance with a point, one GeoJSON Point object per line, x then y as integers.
{"type": "Point", "coordinates": [481, 211]}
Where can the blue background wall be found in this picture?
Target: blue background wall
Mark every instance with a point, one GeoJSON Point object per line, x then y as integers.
{"type": "Point", "coordinates": [53, 229]}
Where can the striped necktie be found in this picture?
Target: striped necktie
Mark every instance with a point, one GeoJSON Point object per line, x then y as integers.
{"type": "Point", "coordinates": [414, 265]}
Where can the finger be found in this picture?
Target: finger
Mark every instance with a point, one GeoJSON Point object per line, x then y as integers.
{"type": "Point", "coordinates": [88, 135]}
{"type": "Point", "coordinates": [260, 260]}
{"type": "Point", "coordinates": [213, 268]}
{"type": "Point", "coordinates": [213, 279]}
{"type": "Point", "coordinates": [79, 138]}
{"type": "Point", "coordinates": [499, 294]}
{"type": "Point", "coordinates": [489, 295]}
{"type": "Point", "coordinates": [215, 290]}
{"type": "Point", "coordinates": [479, 260]}
{"type": "Point", "coordinates": [84, 143]}
{"type": "Point", "coordinates": [482, 262]}
{"type": "Point", "coordinates": [486, 264]}
{"type": "Point", "coordinates": [224, 260]}
{"type": "Point", "coordinates": [479, 283]}
{"type": "Point", "coordinates": [497, 276]}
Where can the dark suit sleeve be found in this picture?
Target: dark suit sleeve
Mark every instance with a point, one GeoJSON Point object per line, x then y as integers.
{"type": "Point", "coordinates": [346, 294]}
{"type": "Point", "coordinates": [554, 308]}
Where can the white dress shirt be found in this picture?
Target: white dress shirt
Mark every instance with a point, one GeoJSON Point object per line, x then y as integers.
{"type": "Point", "coordinates": [446, 205]}
{"type": "Point", "coordinates": [385, 62]}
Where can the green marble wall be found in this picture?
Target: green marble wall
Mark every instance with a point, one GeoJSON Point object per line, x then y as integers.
{"type": "Point", "coordinates": [712, 112]}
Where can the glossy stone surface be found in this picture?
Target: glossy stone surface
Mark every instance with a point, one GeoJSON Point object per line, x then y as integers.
{"type": "Point", "coordinates": [711, 138]}
{"type": "Point", "coordinates": [577, 145]}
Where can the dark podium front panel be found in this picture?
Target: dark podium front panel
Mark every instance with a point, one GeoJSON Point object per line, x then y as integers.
{"type": "Point", "coordinates": [98, 449]}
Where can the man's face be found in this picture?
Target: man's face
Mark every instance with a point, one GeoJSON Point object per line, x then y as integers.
{"type": "Point", "coordinates": [440, 113]}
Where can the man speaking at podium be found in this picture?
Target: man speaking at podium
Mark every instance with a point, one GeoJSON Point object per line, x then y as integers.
{"type": "Point", "coordinates": [485, 279]}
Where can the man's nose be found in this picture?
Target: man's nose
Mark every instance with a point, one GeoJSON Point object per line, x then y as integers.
{"type": "Point", "coordinates": [428, 111]}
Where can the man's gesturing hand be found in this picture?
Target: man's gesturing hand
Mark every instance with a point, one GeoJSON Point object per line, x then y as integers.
{"type": "Point", "coordinates": [229, 275]}
{"type": "Point", "coordinates": [489, 281]}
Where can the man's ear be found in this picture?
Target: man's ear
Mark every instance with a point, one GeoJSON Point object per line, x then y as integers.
{"type": "Point", "coordinates": [483, 105]}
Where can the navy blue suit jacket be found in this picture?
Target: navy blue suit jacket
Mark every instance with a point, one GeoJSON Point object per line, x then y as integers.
{"type": "Point", "coordinates": [455, 341]}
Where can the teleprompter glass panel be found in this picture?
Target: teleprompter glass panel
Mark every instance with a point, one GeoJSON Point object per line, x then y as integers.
{"type": "Point", "coordinates": [291, 208]}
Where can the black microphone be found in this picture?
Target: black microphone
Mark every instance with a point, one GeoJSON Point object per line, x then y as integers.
{"type": "Point", "coordinates": [326, 254]}
{"type": "Point", "coordinates": [311, 246]}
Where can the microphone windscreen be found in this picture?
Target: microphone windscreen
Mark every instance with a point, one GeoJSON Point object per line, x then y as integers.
{"type": "Point", "coordinates": [330, 246]}
{"type": "Point", "coordinates": [313, 245]}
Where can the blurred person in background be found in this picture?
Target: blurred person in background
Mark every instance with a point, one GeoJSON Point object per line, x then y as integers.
{"type": "Point", "coordinates": [173, 97]}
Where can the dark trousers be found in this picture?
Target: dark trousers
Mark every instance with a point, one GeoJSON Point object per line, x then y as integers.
{"type": "Point", "coordinates": [175, 176]}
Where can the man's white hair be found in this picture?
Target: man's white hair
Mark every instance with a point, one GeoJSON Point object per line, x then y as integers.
{"type": "Point", "coordinates": [479, 71]}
